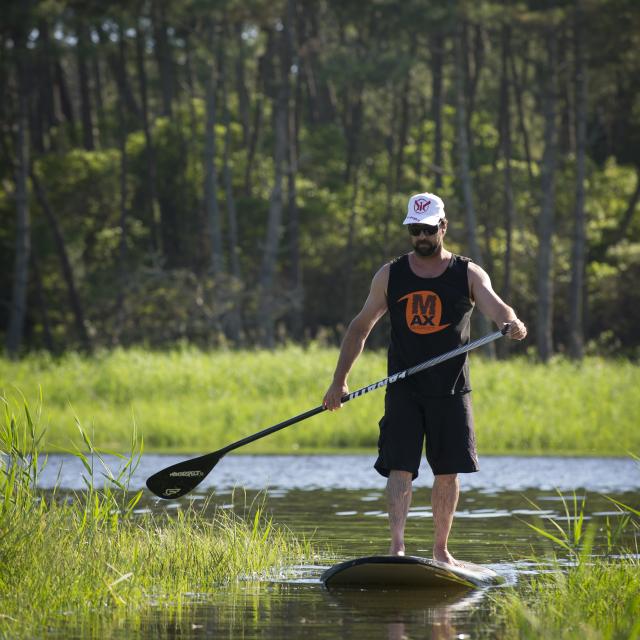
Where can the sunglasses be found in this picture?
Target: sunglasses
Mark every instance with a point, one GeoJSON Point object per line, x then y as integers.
{"type": "Point", "coordinates": [428, 229]}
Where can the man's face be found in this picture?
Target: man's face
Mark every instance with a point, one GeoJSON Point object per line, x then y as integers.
{"type": "Point", "coordinates": [426, 244]}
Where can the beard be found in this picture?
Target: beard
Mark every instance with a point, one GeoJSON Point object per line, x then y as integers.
{"type": "Point", "coordinates": [426, 249]}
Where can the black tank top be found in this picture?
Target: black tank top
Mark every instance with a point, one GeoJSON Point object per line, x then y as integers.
{"type": "Point", "coordinates": [430, 316]}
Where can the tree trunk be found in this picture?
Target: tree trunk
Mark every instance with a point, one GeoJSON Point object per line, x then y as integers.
{"type": "Point", "coordinates": [82, 53]}
{"type": "Point", "coordinates": [152, 206]}
{"type": "Point", "coordinates": [437, 64]}
{"type": "Point", "coordinates": [472, 71]}
{"type": "Point", "coordinates": [464, 168]}
{"type": "Point", "coordinates": [517, 88]}
{"type": "Point", "coordinates": [41, 301]}
{"type": "Point", "coordinates": [352, 127]}
{"type": "Point", "coordinates": [234, 248]}
{"type": "Point", "coordinates": [262, 81]}
{"type": "Point", "coordinates": [65, 263]}
{"type": "Point", "coordinates": [272, 242]}
{"type": "Point", "coordinates": [256, 130]}
{"type": "Point", "coordinates": [420, 140]}
{"type": "Point", "coordinates": [210, 173]}
{"type": "Point", "coordinates": [189, 73]}
{"type": "Point", "coordinates": [632, 208]}
{"type": "Point", "coordinates": [463, 152]}
{"type": "Point", "coordinates": [578, 253]}
{"type": "Point", "coordinates": [297, 288]}
{"type": "Point", "coordinates": [65, 99]}
{"type": "Point", "coordinates": [505, 130]}
{"type": "Point", "coordinates": [45, 117]}
{"type": "Point", "coordinates": [163, 57]}
{"type": "Point", "coordinates": [321, 107]}
{"type": "Point", "coordinates": [234, 326]}
{"type": "Point", "coordinates": [403, 128]}
{"type": "Point", "coordinates": [612, 237]}
{"type": "Point", "coordinates": [124, 214]}
{"type": "Point", "coordinates": [47, 84]}
{"type": "Point", "coordinates": [566, 137]}
{"type": "Point", "coordinates": [349, 252]}
{"type": "Point", "coordinates": [390, 144]}
{"type": "Point", "coordinates": [118, 68]}
{"type": "Point", "coordinates": [241, 87]}
{"type": "Point", "coordinates": [98, 97]}
{"type": "Point", "coordinates": [544, 334]}
{"type": "Point", "coordinates": [18, 308]}
{"type": "Point", "coordinates": [297, 307]}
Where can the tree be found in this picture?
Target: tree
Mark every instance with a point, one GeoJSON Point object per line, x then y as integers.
{"type": "Point", "coordinates": [464, 169]}
{"type": "Point", "coordinates": [280, 98]}
{"type": "Point", "coordinates": [579, 247]}
{"type": "Point", "coordinates": [210, 172]}
{"type": "Point", "coordinates": [65, 263]}
{"type": "Point", "coordinates": [18, 308]}
{"type": "Point", "coordinates": [544, 323]}
{"type": "Point", "coordinates": [156, 138]}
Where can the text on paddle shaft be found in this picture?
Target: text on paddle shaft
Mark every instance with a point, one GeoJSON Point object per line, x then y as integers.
{"type": "Point", "coordinates": [377, 385]}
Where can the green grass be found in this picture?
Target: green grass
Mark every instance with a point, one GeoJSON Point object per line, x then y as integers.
{"type": "Point", "coordinates": [190, 400]}
{"type": "Point", "coordinates": [593, 594]}
{"type": "Point", "coordinates": [596, 600]}
{"type": "Point", "coordinates": [88, 561]}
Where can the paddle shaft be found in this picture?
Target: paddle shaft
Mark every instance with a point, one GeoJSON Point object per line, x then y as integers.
{"type": "Point", "coordinates": [400, 375]}
{"type": "Point", "coordinates": [178, 479]}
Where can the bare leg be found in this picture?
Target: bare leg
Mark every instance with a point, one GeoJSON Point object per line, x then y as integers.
{"type": "Point", "coordinates": [398, 500]}
{"type": "Point", "coordinates": [444, 499]}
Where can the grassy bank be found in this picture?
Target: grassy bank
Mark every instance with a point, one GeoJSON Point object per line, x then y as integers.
{"type": "Point", "coordinates": [87, 561]}
{"type": "Point", "coordinates": [598, 600]}
{"type": "Point", "coordinates": [194, 401]}
{"type": "Point", "coordinates": [594, 593]}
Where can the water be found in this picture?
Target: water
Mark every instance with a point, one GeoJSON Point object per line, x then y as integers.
{"type": "Point", "coordinates": [324, 472]}
{"type": "Point", "coordinates": [339, 501]}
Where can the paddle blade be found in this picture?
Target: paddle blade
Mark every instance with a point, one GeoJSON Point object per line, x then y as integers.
{"type": "Point", "coordinates": [178, 479]}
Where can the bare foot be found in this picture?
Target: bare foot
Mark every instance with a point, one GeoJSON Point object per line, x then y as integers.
{"type": "Point", "coordinates": [444, 556]}
{"type": "Point", "coordinates": [396, 551]}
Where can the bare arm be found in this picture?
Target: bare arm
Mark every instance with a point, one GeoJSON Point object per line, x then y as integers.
{"type": "Point", "coordinates": [356, 335]}
{"type": "Point", "coordinates": [490, 303]}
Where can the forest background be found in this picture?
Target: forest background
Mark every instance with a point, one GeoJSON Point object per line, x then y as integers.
{"type": "Point", "coordinates": [233, 173]}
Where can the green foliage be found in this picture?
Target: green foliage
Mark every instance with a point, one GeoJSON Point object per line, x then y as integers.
{"type": "Point", "coordinates": [356, 71]}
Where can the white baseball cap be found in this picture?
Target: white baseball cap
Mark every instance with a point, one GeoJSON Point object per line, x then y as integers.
{"type": "Point", "coordinates": [424, 208]}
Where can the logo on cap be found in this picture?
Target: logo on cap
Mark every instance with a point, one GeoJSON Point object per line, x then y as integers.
{"type": "Point", "coordinates": [420, 205]}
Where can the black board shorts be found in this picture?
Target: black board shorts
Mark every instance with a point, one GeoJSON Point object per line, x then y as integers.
{"type": "Point", "coordinates": [444, 425]}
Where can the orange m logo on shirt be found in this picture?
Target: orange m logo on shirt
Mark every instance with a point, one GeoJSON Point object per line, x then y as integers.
{"type": "Point", "coordinates": [423, 312]}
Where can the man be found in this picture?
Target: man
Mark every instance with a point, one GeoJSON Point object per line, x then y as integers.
{"type": "Point", "coordinates": [429, 294]}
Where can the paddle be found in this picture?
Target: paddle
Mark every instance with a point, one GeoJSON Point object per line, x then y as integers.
{"type": "Point", "coordinates": [178, 479]}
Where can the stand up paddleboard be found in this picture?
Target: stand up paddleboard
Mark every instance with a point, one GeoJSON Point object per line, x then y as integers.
{"type": "Point", "coordinates": [407, 571]}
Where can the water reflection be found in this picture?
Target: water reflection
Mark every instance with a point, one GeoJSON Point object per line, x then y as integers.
{"type": "Point", "coordinates": [441, 613]}
{"type": "Point", "coordinates": [289, 610]}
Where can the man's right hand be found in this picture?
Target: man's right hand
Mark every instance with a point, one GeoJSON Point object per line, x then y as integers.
{"type": "Point", "coordinates": [333, 397]}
